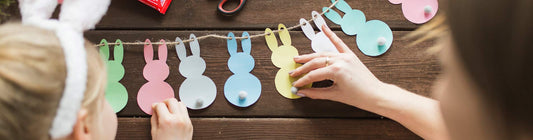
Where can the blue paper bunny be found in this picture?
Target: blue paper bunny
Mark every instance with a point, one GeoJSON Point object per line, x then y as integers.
{"type": "Point", "coordinates": [242, 89]}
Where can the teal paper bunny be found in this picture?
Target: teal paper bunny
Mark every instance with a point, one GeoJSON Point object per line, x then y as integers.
{"type": "Point", "coordinates": [373, 37]}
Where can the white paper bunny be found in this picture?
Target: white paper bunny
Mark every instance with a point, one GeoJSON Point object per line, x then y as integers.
{"type": "Point", "coordinates": [319, 41]}
{"type": "Point", "coordinates": [197, 91]}
{"type": "Point", "coordinates": [73, 20]}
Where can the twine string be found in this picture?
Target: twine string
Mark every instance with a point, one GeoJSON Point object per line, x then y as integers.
{"type": "Point", "coordinates": [223, 36]}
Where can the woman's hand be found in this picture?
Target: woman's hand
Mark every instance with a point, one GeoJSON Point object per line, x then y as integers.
{"type": "Point", "coordinates": [353, 84]}
{"type": "Point", "coordinates": [170, 121]}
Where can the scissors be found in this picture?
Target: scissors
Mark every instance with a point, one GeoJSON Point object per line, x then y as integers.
{"type": "Point", "coordinates": [230, 12]}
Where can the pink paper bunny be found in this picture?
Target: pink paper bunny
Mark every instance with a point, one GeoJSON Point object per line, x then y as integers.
{"type": "Point", "coordinates": [155, 71]}
{"type": "Point", "coordinates": [418, 11]}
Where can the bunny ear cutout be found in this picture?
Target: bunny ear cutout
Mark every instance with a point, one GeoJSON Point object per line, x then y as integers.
{"type": "Point", "coordinates": [319, 21]}
{"type": "Point", "coordinates": [307, 29]}
{"type": "Point", "coordinates": [333, 16]}
{"type": "Point", "coordinates": [148, 51]}
{"type": "Point", "coordinates": [232, 44]}
{"type": "Point", "coordinates": [118, 51]}
{"type": "Point", "coordinates": [74, 13]}
{"type": "Point", "coordinates": [194, 45]}
{"type": "Point", "coordinates": [343, 6]}
{"type": "Point", "coordinates": [284, 35]}
{"type": "Point", "coordinates": [37, 12]}
{"type": "Point", "coordinates": [395, 1]}
{"type": "Point", "coordinates": [271, 40]}
{"type": "Point", "coordinates": [104, 50]}
{"type": "Point", "coordinates": [180, 49]}
{"type": "Point", "coordinates": [162, 50]}
{"type": "Point", "coordinates": [246, 43]}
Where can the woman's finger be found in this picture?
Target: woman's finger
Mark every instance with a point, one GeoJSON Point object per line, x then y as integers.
{"type": "Point", "coordinates": [317, 93]}
{"type": "Point", "coordinates": [315, 76]}
{"type": "Point", "coordinates": [308, 57]}
{"type": "Point", "coordinates": [339, 44]}
{"type": "Point", "coordinates": [311, 65]}
{"type": "Point", "coordinates": [172, 105]}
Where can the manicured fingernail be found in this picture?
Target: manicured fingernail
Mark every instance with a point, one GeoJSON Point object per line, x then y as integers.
{"type": "Point", "coordinates": [296, 57]}
{"type": "Point", "coordinates": [300, 94]}
{"type": "Point", "coordinates": [290, 72]}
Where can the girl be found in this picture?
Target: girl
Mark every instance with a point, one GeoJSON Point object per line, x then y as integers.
{"type": "Point", "coordinates": [32, 79]}
{"type": "Point", "coordinates": [485, 89]}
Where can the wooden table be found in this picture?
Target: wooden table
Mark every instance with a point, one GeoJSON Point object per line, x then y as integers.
{"type": "Point", "coordinates": [272, 117]}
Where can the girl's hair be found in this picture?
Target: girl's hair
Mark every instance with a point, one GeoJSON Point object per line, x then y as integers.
{"type": "Point", "coordinates": [32, 79]}
{"type": "Point", "coordinates": [493, 39]}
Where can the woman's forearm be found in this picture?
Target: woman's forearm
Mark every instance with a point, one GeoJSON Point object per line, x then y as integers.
{"type": "Point", "coordinates": [419, 114]}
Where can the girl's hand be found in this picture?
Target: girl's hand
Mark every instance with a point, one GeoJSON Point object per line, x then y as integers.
{"type": "Point", "coordinates": [353, 84]}
{"type": "Point", "coordinates": [170, 121]}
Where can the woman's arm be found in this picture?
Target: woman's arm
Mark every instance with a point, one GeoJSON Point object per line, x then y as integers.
{"type": "Point", "coordinates": [355, 85]}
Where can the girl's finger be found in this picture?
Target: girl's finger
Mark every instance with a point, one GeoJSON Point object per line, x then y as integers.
{"type": "Point", "coordinates": [315, 76]}
{"type": "Point", "coordinates": [172, 105]}
{"type": "Point", "coordinates": [339, 44]}
{"type": "Point", "coordinates": [311, 65]}
{"type": "Point", "coordinates": [153, 120]}
{"type": "Point", "coordinates": [162, 112]}
{"type": "Point", "coordinates": [183, 108]}
{"type": "Point", "coordinates": [308, 57]}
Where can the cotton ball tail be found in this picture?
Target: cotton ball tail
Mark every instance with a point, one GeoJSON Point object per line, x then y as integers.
{"type": "Point", "coordinates": [243, 95]}
{"type": "Point", "coordinates": [294, 90]}
{"type": "Point", "coordinates": [428, 10]}
{"type": "Point", "coordinates": [199, 102]}
{"type": "Point", "coordinates": [382, 41]}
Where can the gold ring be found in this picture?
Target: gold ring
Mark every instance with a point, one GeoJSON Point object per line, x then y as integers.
{"type": "Point", "coordinates": [327, 61]}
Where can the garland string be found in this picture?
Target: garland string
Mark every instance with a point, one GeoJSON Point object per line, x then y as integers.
{"type": "Point", "coordinates": [221, 36]}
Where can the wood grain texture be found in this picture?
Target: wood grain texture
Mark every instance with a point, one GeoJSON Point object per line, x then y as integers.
{"type": "Point", "coordinates": [408, 67]}
{"type": "Point", "coordinates": [276, 128]}
{"type": "Point", "coordinates": [256, 14]}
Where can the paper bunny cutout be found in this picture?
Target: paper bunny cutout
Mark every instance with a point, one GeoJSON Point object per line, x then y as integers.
{"type": "Point", "coordinates": [197, 91]}
{"type": "Point", "coordinates": [319, 41]}
{"type": "Point", "coordinates": [155, 71]}
{"type": "Point", "coordinates": [115, 93]}
{"type": "Point", "coordinates": [418, 11]}
{"type": "Point", "coordinates": [373, 37]}
{"type": "Point", "coordinates": [242, 89]}
{"type": "Point", "coordinates": [283, 58]}
{"type": "Point", "coordinates": [73, 21]}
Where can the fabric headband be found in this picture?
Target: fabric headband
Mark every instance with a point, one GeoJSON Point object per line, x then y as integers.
{"type": "Point", "coordinates": [73, 21]}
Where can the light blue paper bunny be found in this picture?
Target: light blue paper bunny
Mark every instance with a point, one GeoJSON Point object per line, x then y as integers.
{"type": "Point", "coordinates": [242, 89]}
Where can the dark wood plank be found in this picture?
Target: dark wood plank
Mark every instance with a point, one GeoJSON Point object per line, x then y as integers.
{"type": "Point", "coordinates": [276, 128]}
{"type": "Point", "coordinates": [257, 14]}
{"type": "Point", "coordinates": [408, 67]}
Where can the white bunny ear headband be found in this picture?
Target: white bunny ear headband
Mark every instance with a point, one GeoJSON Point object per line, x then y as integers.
{"type": "Point", "coordinates": [76, 16]}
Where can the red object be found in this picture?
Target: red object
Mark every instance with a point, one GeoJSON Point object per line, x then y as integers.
{"type": "Point", "coordinates": [159, 5]}
{"type": "Point", "coordinates": [229, 12]}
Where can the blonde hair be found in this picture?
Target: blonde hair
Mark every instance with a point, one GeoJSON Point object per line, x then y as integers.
{"type": "Point", "coordinates": [32, 79]}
